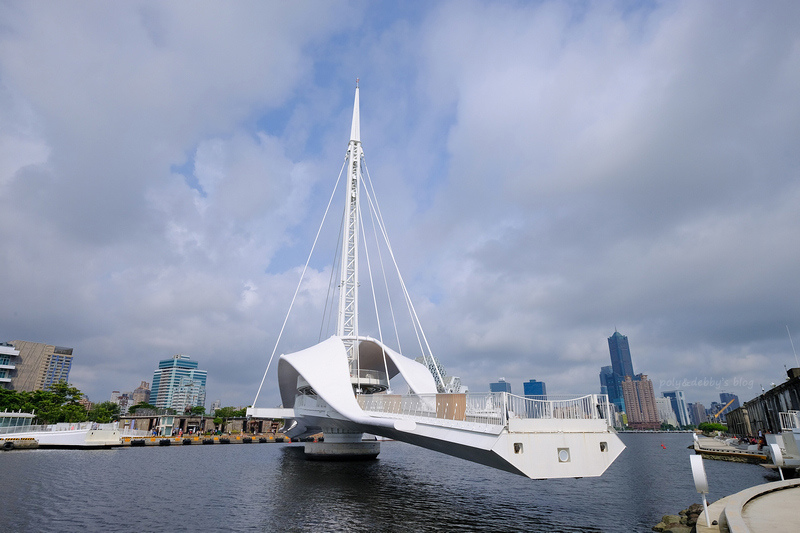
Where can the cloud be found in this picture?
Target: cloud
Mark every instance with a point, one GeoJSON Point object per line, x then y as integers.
{"type": "Point", "coordinates": [547, 172]}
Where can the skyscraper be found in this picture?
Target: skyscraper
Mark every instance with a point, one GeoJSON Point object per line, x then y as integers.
{"type": "Point", "coordinates": [640, 403]}
{"type": "Point", "coordinates": [611, 384]}
{"type": "Point", "coordinates": [534, 388]}
{"type": "Point", "coordinates": [724, 398]}
{"type": "Point", "coordinates": [37, 366]}
{"type": "Point", "coordinates": [620, 355]}
{"type": "Point", "coordinates": [679, 406]}
{"type": "Point", "coordinates": [500, 386]}
{"type": "Point", "coordinates": [178, 384]}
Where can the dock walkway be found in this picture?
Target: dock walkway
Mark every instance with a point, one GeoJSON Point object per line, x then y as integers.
{"type": "Point", "coordinates": [768, 507]}
{"type": "Point", "coordinates": [714, 448]}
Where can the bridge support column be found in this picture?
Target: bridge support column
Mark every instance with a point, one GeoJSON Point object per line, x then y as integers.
{"type": "Point", "coordinates": [342, 447]}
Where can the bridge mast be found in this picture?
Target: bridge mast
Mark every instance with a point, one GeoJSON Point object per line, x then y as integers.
{"type": "Point", "coordinates": [347, 323]}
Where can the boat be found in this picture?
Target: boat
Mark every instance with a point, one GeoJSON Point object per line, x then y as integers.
{"type": "Point", "coordinates": [17, 431]}
{"type": "Point", "coordinates": [345, 386]}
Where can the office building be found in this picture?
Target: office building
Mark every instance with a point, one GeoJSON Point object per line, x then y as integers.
{"type": "Point", "coordinates": [611, 384]}
{"type": "Point", "coordinates": [30, 366]}
{"type": "Point", "coordinates": [500, 386]}
{"type": "Point", "coordinates": [665, 412]}
{"type": "Point", "coordinates": [9, 358]}
{"type": "Point", "coordinates": [679, 406]}
{"type": "Point", "coordinates": [534, 388]}
{"type": "Point", "coordinates": [141, 394]}
{"type": "Point", "coordinates": [620, 351]}
{"type": "Point", "coordinates": [697, 412]}
{"type": "Point", "coordinates": [724, 398]}
{"type": "Point", "coordinates": [123, 399]}
{"type": "Point", "coordinates": [178, 384]}
{"type": "Point", "coordinates": [640, 403]}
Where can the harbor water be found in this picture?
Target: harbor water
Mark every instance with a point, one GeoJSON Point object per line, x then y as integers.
{"type": "Point", "coordinates": [268, 487]}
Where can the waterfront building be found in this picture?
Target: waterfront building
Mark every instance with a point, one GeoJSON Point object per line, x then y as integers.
{"type": "Point", "coordinates": [534, 388]}
{"type": "Point", "coordinates": [500, 386]}
{"type": "Point", "coordinates": [697, 412]}
{"type": "Point", "coordinates": [665, 412]}
{"type": "Point", "coordinates": [640, 403]}
{"type": "Point", "coordinates": [178, 384]}
{"type": "Point", "coordinates": [762, 413]}
{"type": "Point", "coordinates": [141, 394]}
{"type": "Point", "coordinates": [30, 366]}
{"type": "Point", "coordinates": [679, 406]}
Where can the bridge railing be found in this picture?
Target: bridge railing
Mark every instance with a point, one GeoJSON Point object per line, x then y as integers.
{"type": "Point", "coordinates": [494, 408]}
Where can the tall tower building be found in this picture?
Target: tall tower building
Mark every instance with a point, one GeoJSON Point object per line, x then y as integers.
{"type": "Point", "coordinates": [640, 403]}
{"type": "Point", "coordinates": [178, 384]}
{"type": "Point", "coordinates": [37, 366]}
{"type": "Point", "coordinates": [500, 385]}
{"type": "Point", "coordinates": [620, 355]}
{"type": "Point", "coordinates": [724, 398]}
{"type": "Point", "coordinates": [679, 406]}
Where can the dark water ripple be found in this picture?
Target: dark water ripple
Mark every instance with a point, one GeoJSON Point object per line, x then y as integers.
{"type": "Point", "coordinates": [271, 487]}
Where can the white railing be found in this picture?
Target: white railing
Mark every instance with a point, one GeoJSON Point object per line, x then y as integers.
{"type": "Point", "coordinates": [790, 420]}
{"type": "Point", "coordinates": [61, 426]}
{"type": "Point", "coordinates": [494, 408]}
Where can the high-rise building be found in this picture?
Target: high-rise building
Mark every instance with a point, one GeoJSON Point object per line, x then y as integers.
{"type": "Point", "coordinates": [34, 366]}
{"type": "Point", "coordinates": [178, 384]}
{"type": "Point", "coordinates": [9, 359]}
{"type": "Point", "coordinates": [665, 412]}
{"type": "Point", "coordinates": [620, 351]}
{"type": "Point", "coordinates": [640, 403]}
{"type": "Point", "coordinates": [611, 384]}
{"type": "Point", "coordinates": [679, 406]}
{"type": "Point", "coordinates": [697, 412]}
{"type": "Point", "coordinates": [500, 386]}
{"type": "Point", "coordinates": [724, 398]}
{"type": "Point", "coordinates": [142, 393]}
{"type": "Point", "coordinates": [534, 388]}
{"type": "Point", "coordinates": [123, 399]}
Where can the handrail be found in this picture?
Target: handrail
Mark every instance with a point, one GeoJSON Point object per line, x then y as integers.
{"type": "Point", "coordinates": [494, 408]}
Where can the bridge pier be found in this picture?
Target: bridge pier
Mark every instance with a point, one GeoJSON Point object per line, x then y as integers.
{"type": "Point", "coordinates": [338, 446]}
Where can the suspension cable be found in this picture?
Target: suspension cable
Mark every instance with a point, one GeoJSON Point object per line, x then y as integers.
{"type": "Point", "coordinates": [300, 282]}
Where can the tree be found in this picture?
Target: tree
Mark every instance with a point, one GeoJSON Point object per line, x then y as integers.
{"type": "Point", "coordinates": [198, 410]}
{"type": "Point", "coordinates": [141, 405]}
{"type": "Point", "coordinates": [709, 427]}
{"type": "Point", "coordinates": [104, 413]}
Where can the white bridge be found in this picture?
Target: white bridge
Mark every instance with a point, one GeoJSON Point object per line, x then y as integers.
{"type": "Point", "coordinates": [342, 387]}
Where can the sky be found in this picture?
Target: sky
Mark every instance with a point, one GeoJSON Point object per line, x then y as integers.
{"type": "Point", "coordinates": [550, 172]}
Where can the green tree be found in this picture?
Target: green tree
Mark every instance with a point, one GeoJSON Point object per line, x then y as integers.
{"type": "Point", "coordinates": [104, 412]}
{"type": "Point", "coordinates": [709, 427]}
{"type": "Point", "coordinates": [198, 410]}
{"type": "Point", "coordinates": [141, 405]}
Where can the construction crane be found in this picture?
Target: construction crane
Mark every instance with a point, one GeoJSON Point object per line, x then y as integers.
{"type": "Point", "coordinates": [716, 416]}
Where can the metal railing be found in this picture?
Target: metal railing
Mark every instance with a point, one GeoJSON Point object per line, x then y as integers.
{"type": "Point", "coordinates": [790, 420]}
{"type": "Point", "coordinates": [494, 408]}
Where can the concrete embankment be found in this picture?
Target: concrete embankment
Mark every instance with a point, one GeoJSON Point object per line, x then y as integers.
{"type": "Point", "coordinates": [18, 443]}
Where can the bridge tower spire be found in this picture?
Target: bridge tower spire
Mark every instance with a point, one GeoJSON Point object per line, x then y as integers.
{"type": "Point", "coordinates": [347, 322]}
